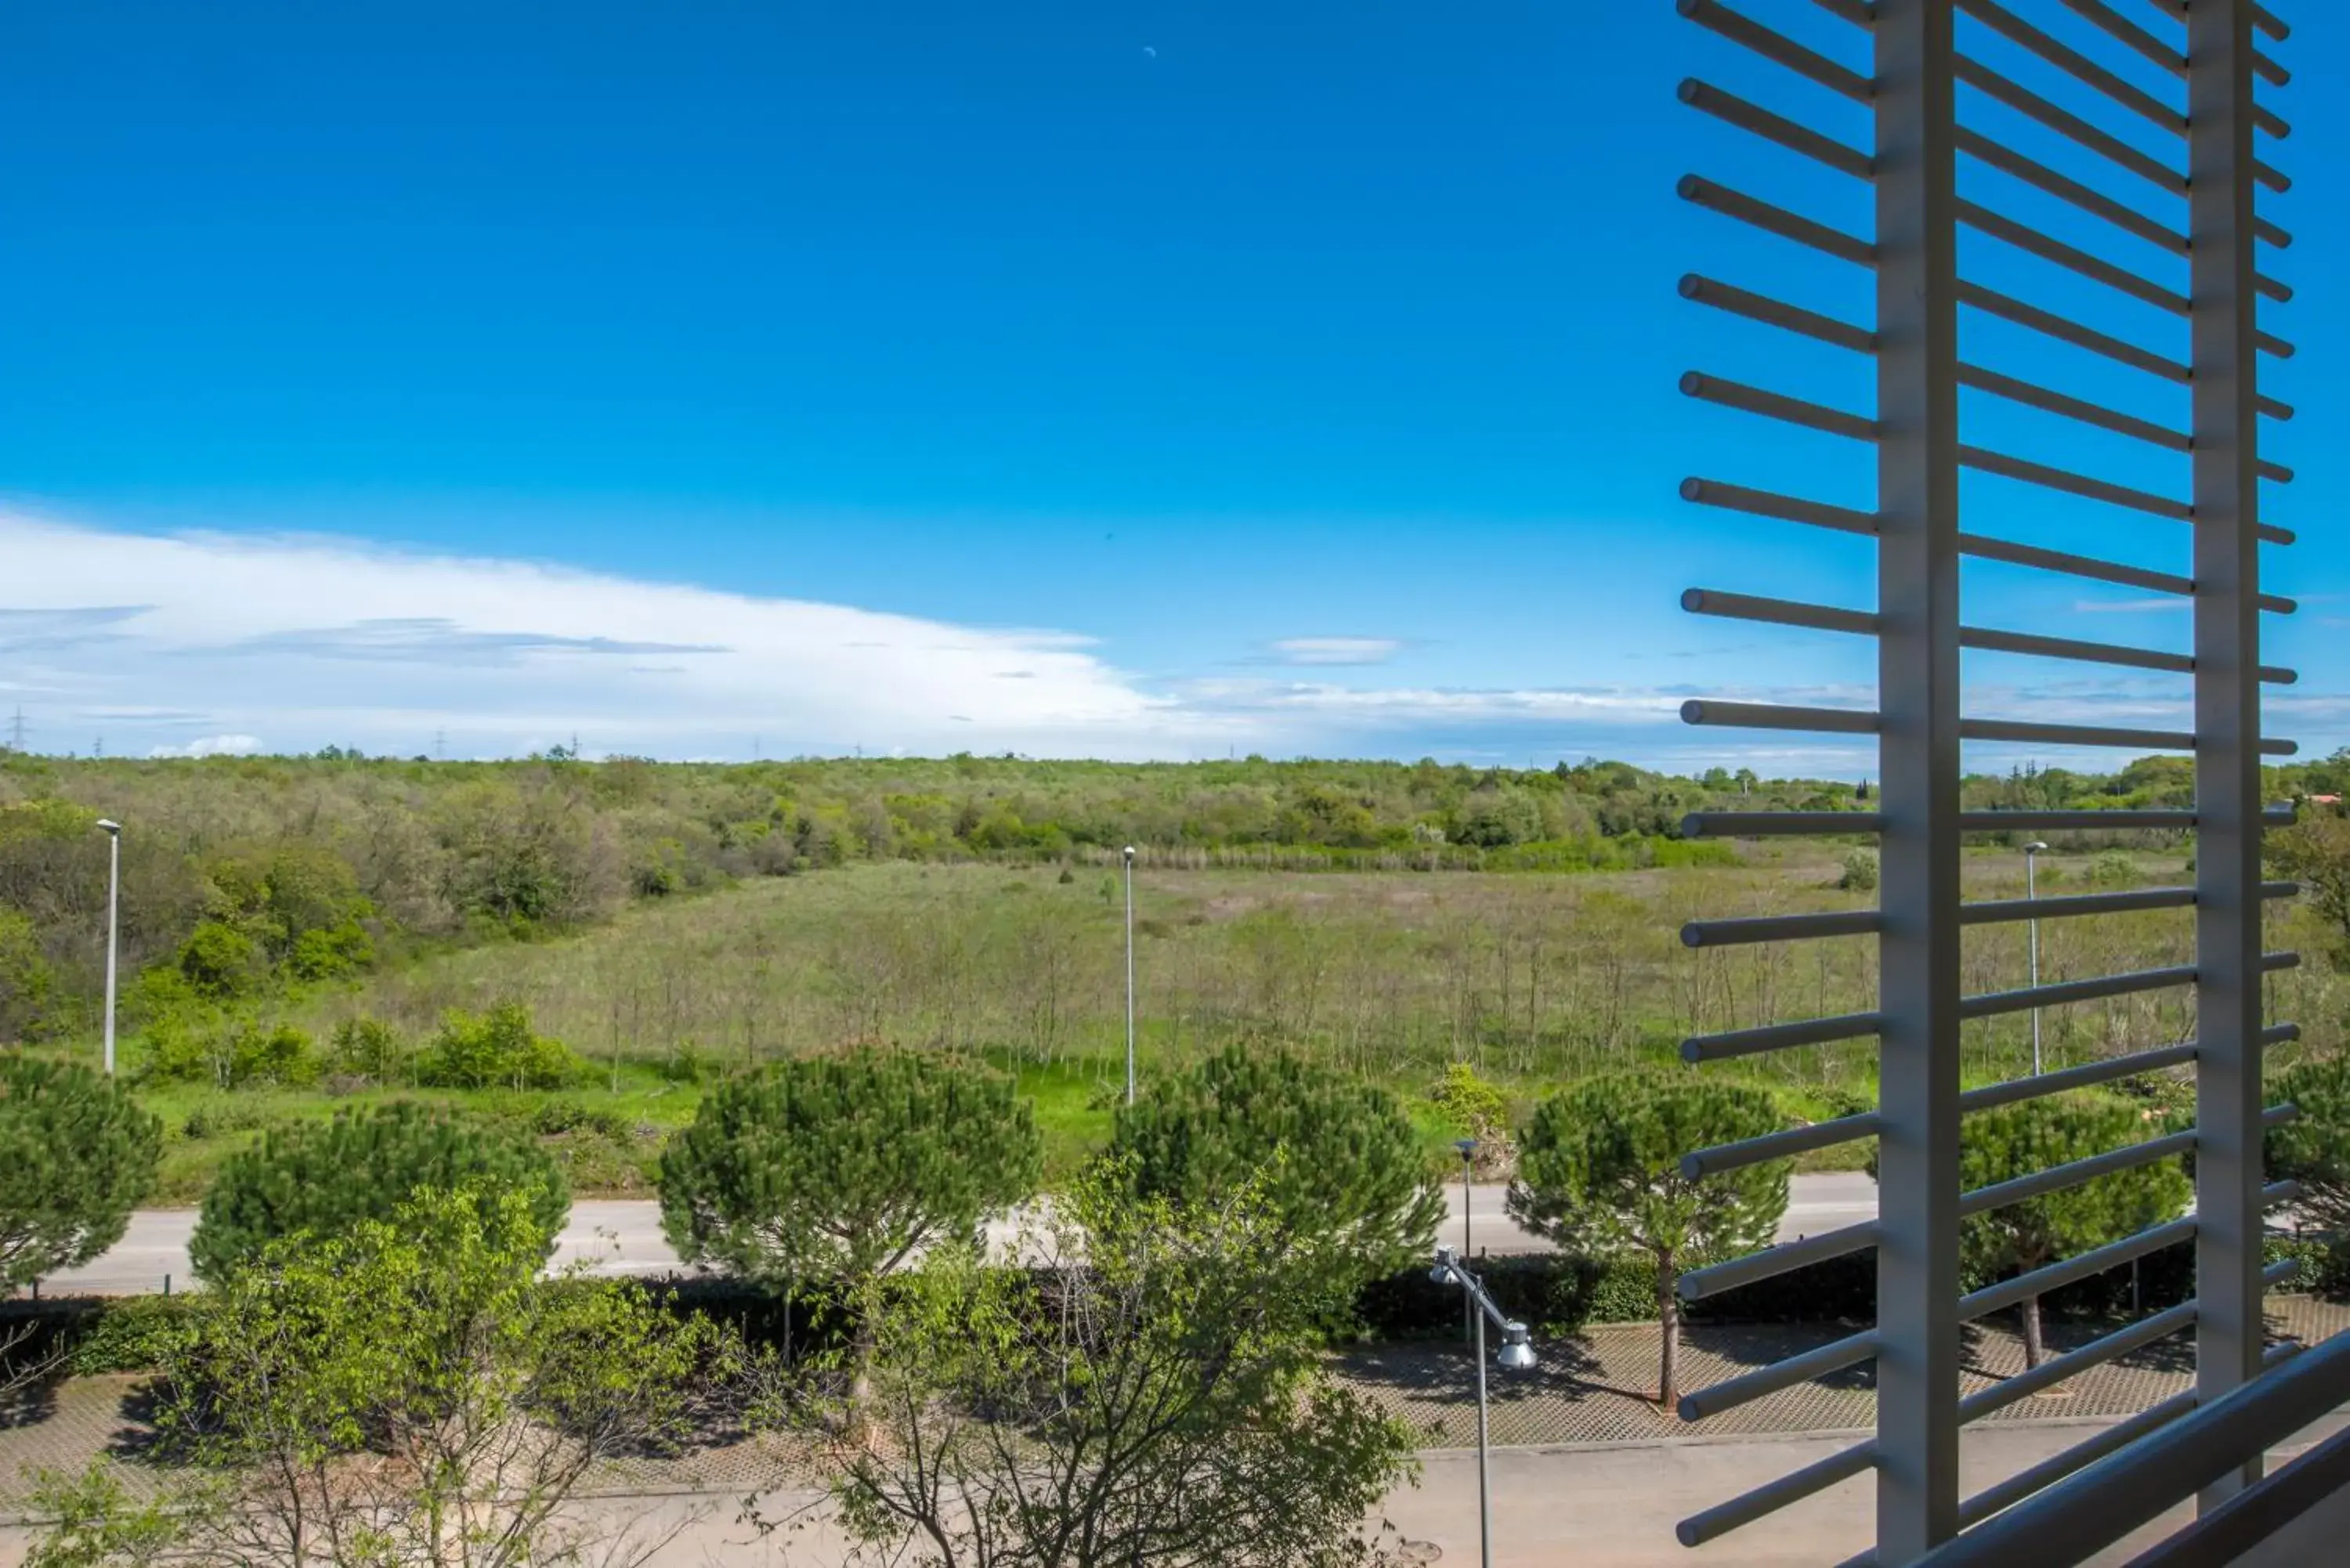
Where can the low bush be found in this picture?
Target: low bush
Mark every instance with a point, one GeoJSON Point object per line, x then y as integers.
{"type": "Point", "coordinates": [498, 1049]}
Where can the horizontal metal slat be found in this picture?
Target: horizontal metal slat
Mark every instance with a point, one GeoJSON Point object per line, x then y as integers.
{"type": "Point", "coordinates": [1786, 508]}
{"type": "Point", "coordinates": [1989, 83]}
{"type": "Point", "coordinates": [1857, 12]}
{"type": "Point", "coordinates": [1999, 1497]}
{"type": "Point", "coordinates": [1753, 928]}
{"type": "Point", "coordinates": [1771, 1495]}
{"type": "Point", "coordinates": [1730, 394]}
{"type": "Point", "coordinates": [1984, 548]}
{"type": "Point", "coordinates": [2049, 400]}
{"type": "Point", "coordinates": [1781, 1145]}
{"type": "Point", "coordinates": [2072, 1173]}
{"type": "Point", "coordinates": [2072, 1363]}
{"type": "Point", "coordinates": [1777, 48]}
{"type": "Point", "coordinates": [2081, 1077]}
{"type": "Point", "coordinates": [1991, 1004]}
{"type": "Point", "coordinates": [2129, 33]}
{"type": "Point", "coordinates": [1777, 313]}
{"type": "Point", "coordinates": [2007, 308]}
{"type": "Point", "coordinates": [1778, 612]}
{"type": "Point", "coordinates": [1754, 120]}
{"type": "Point", "coordinates": [2072, 1523]}
{"type": "Point", "coordinates": [1716, 197]}
{"type": "Point", "coordinates": [2097, 735]}
{"type": "Point", "coordinates": [2075, 64]}
{"type": "Point", "coordinates": [2041, 1281]}
{"type": "Point", "coordinates": [1996, 912]}
{"type": "Point", "coordinates": [1780, 716]}
{"type": "Point", "coordinates": [1780, 1036]}
{"type": "Point", "coordinates": [1778, 823]}
{"type": "Point", "coordinates": [1771, 1261]}
{"type": "Point", "coordinates": [2071, 257]}
{"type": "Point", "coordinates": [2026, 642]}
{"type": "Point", "coordinates": [1819, 1362]}
{"type": "Point", "coordinates": [2064, 188]}
{"type": "Point", "coordinates": [2065, 481]}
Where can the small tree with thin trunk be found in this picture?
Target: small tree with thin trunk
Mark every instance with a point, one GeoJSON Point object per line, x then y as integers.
{"type": "Point", "coordinates": [1599, 1173]}
{"type": "Point", "coordinates": [2314, 1148]}
{"type": "Point", "coordinates": [2033, 1135]}
{"type": "Point", "coordinates": [837, 1169]}
{"type": "Point", "coordinates": [1350, 1167]}
{"type": "Point", "coordinates": [323, 1178]}
{"type": "Point", "coordinates": [1154, 1388]}
{"type": "Point", "coordinates": [76, 1157]}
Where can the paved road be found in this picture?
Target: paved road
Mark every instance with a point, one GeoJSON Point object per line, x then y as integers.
{"type": "Point", "coordinates": [620, 1236]}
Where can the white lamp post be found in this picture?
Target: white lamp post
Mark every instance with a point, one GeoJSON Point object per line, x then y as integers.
{"type": "Point", "coordinates": [2032, 853]}
{"type": "Point", "coordinates": [1516, 1354]}
{"type": "Point", "coordinates": [113, 830]}
{"type": "Point", "coordinates": [1130, 974]}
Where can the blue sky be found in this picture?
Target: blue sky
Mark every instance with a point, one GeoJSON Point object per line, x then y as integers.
{"type": "Point", "coordinates": [1099, 377]}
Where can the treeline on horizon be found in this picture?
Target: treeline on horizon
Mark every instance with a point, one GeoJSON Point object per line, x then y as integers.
{"type": "Point", "coordinates": [250, 875]}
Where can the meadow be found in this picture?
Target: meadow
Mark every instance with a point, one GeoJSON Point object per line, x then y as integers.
{"type": "Point", "coordinates": [1531, 979]}
{"type": "Point", "coordinates": [669, 924]}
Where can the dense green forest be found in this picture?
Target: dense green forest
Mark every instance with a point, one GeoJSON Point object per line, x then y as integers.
{"type": "Point", "coordinates": [246, 877]}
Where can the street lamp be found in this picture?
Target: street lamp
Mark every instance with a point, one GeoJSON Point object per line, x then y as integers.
{"type": "Point", "coordinates": [1516, 1354]}
{"type": "Point", "coordinates": [1467, 1147]}
{"type": "Point", "coordinates": [2032, 853]}
{"type": "Point", "coordinates": [1130, 974]}
{"type": "Point", "coordinates": [113, 830]}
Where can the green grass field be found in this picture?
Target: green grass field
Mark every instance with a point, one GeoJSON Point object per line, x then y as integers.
{"type": "Point", "coordinates": [1532, 978]}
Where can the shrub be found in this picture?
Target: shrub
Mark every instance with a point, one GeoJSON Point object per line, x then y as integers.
{"type": "Point", "coordinates": [76, 1157]}
{"type": "Point", "coordinates": [368, 1048]}
{"type": "Point", "coordinates": [323, 1177]}
{"type": "Point", "coordinates": [221, 962]}
{"type": "Point", "coordinates": [1860, 872]}
{"type": "Point", "coordinates": [495, 1049]}
{"type": "Point", "coordinates": [1476, 1107]}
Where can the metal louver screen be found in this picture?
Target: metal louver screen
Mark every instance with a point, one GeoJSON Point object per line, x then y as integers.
{"type": "Point", "coordinates": [1973, 111]}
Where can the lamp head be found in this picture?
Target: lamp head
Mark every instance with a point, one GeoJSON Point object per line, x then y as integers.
{"type": "Point", "coordinates": [1517, 1352]}
{"type": "Point", "coordinates": [1130, 855]}
{"type": "Point", "coordinates": [1442, 1272]}
{"type": "Point", "coordinates": [1467, 1145]}
{"type": "Point", "coordinates": [2035, 847]}
{"type": "Point", "coordinates": [106, 827]}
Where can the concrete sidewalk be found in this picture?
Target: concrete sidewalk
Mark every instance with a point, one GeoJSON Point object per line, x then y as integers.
{"type": "Point", "coordinates": [1592, 1506]}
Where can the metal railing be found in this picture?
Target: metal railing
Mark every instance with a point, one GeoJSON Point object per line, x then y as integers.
{"type": "Point", "coordinates": [1928, 64]}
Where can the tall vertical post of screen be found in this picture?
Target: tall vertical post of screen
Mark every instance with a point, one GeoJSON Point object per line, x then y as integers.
{"type": "Point", "coordinates": [1918, 674]}
{"type": "Point", "coordinates": [2228, 1175]}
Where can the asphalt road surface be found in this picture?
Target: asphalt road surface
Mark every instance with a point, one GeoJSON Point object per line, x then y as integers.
{"type": "Point", "coordinates": [622, 1236]}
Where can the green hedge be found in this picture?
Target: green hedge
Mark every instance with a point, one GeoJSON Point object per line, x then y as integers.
{"type": "Point", "coordinates": [1554, 1293]}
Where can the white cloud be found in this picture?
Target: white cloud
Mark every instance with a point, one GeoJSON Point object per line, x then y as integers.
{"type": "Point", "coordinates": [199, 645]}
{"type": "Point", "coordinates": [291, 643]}
{"type": "Point", "coordinates": [1336, 649]}
{"type": "Point", "coordinates": [2132, 607]}
{"type": "Point", "coordinates": [210, 746]}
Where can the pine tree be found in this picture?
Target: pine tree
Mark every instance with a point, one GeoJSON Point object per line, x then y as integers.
{"type": "Point", "coordinates": [2036, 1135]}
{"type": "Point", "coordinates": [76, 1157]}
{"type": "Point", "coordinates": [1348, 1165]}
{"type": "Point", "coordinates": [1599, 1173]}
{"type": "Point", "coordinates": [840, 1168]}
{"type": "Point", "coordinates": [323, 1177]}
